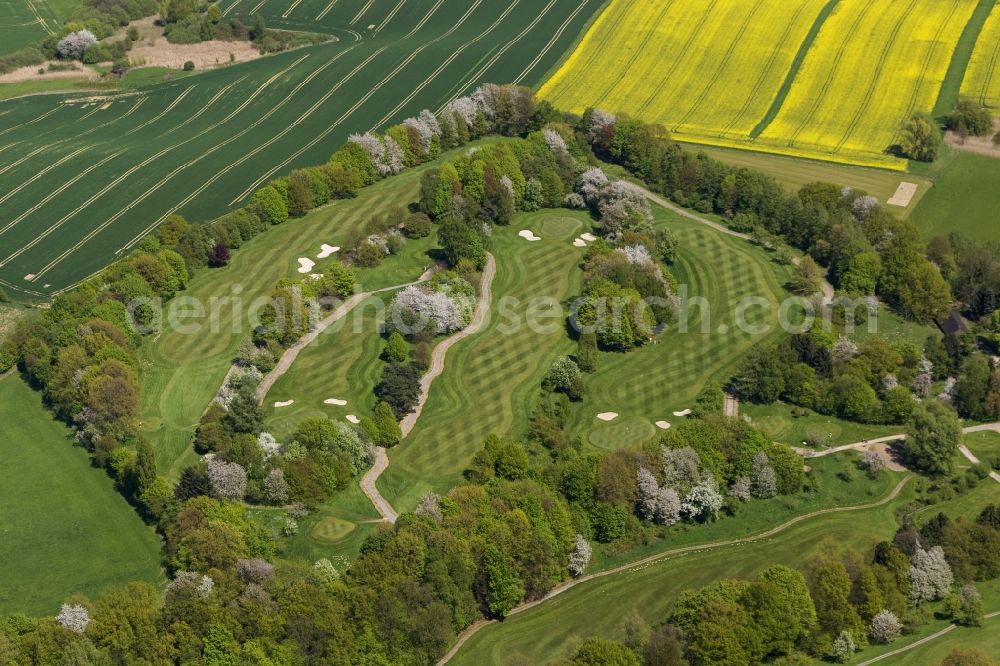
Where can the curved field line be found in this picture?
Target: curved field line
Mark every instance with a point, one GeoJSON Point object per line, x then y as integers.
{"type": "Point", "coordinates": [671, 553]}
{"type": "Point", "coordinates": [56, 193]}
{"type": "Point", "coordinates": [290, 9]}
{"type": "Point", "coordinates": [548, 47]}
{"type": "Point", "coordinates": [230, 7]}
{"type": "Point", "coordinates": [930, 57]}
{"type": "Point", "coordinates": [831, 72]}
{"type": "Point", "coordinates": [357, 17]}
{"type": "Point", "coordinates": [677, 61]}
{"type": "Point", "coordinates": [766, 69]}
{"type": "Point", "coordinates": [721, 66]}
{"type": "Point", "coordinates": [326, 10]}
{"type": "Point", "coordinates": [205, 107]}
{"type": "Point", "coordinates": [390, 16]}
{"type": "Point", "coordinates": [170, 107]}
{"type": "Point", "coordinates": [149, 160]}
{"type": "Point", "coordinates": [990, 73]}
{"type": "Point", "coordinates": [22, 160]}
{"type": "Point", "coordinates": [95, 231]}
{"type": "Point", "coordinates": [30, 292]}
{"type": "Point", "coordinates": [32, 122]}
{"type": "Point", "coordinates": [623, 71]}
{"type": "Point", "coordinates": [472, 79]}
{"type": "Point", "coordinates": [42, 173]}
{"type": "Point", "coordinates": [874, 81]}
{"type": "Point", "coordinates": [11, 145]}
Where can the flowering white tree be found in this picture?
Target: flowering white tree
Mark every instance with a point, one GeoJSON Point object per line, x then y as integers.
{"type": "Point", "coordinates": [591, 183]}
{"type": "Point", "coordinates": [623, 206]}
{"type": "Point", "coordinates": [74, 45]}
{"type": "Point", "coordinates": [325, 571]}
{"type": "Point", "coordinates": [763, 481]}
{"type": "Point", "coordinates": [433, 306]}
{"type": "Point", "coordinates": [922, 384]}
{"type": "Point", "coordinates": [930, 575]}
{"type": "Point", "coordinates": [394, 157]}
{"type": "Point", "coordinates": [275, 486]}
{"type": "Point", "coordinates": [598, 121]}
{"type": "Point", "coordinates": [681, 466]}
{"type": "Point", "coordinates": [844, 350]}
{"type": "Point", "coordinates": [73, 617]}
{"type": "Point", "coordinates": [427, 127]}
{"type": "Point", "coordinates": [254, 571]}
{"type": "Point", "coordinates": [429, 506]}
{"type": "Point", "coordinates": [647, 492]}
{"type": "Point", "coordinates": [636, 254]}
{"type": "Point", "coordinates": [580, 557]}
{"type": "Point", "coordinates": [948, 391]}
{"type": "Point", "coordinates": [885, 627]}
{"type": "Point", "coordinates": [464, 108]}
{"type": "Point", "coordinates": [872, 461]}
{"type": "Point", "coordinates": [703, 502]}
{"type": "Point", "coordinates": [373, 146]}
{"type": "Point", "coordinates": [487, 99]}
{"type": "Point", "coordinates": [507, 184]}
{"type": "Point", "coordinates": [889, 382]}
{"type": "Point", "coordinates": [229, 480]}
{"type": "Point", "coordinates": [843, 647]}
{"type": "Point", "coordinates": [200, 584]}
{"type": "Point", "coordinates": [863, 205]}
{"type": "Point", "coordinates": [741, 489]}
{"type": "Point", "coordinates": [204, 587]}
{"type": "Point", "coordinates": [269, 446]}
{"type": "Point", "coordinates": [555, 141]}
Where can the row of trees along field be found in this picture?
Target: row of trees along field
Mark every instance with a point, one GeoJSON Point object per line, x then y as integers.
{"type": "Point", "coordinates": [841, 602]}
{"type": "Point", "coordinates": [532, 507]}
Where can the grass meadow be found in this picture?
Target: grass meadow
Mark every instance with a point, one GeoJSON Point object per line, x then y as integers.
{"type": "Point", "coordinates": [64, 527]}
{"type": "Point", "coordinates": [89, 175]}
{"type": "Point", "coordinates": [965, 197]}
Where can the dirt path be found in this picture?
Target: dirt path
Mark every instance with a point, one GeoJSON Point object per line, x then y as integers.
{"type": "Point", "coordinates": [732, 408]}
{"type": "Point", "coordinates": [925, 639]}
{"type": "Point", "coordinates": [825, 286]}
{"type": "Point", "coordinates": [368, 481]}
{"type": "Point", "coordinates": [292, 353]}
{"type": "Point", "coordinates": [652, 559]}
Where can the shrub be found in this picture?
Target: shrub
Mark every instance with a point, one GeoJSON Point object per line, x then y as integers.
{"type": "Point", "coordinates": [75, 44]}
{"type": "Point", "coordinates": [970, 118]}
{"type": "Point", "coordinates": [189, 66]}
{"type": "Point", "coordinates": [920, 139]}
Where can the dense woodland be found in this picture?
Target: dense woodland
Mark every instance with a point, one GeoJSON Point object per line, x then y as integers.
{"type": "Point", "coordinates": [532, 505]}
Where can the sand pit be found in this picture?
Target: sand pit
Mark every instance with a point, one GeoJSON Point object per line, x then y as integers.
{"type": "Point", "coordinates": [579, 242]}
{"type": "Point", "coordinates": [607, 416]}
{"type": "Point", "coordinates": [663, 425]}
{"type": "Point", "coordinates": [528, 235]}
{"type": "Point", "coordinates": [326, 250]}
{"type": "Point", "coordinates": [305, 265]}
{"type": "Point", "coordinates": [353, 419]}
{"type": "Point", "coordinates": [335, 401]}
{"type": "Point", "coordinates": [904, 194]}
{"type": "Point", "coordinates": [590, 238]}
{"type": "Point", "coordinates": [286, 403]}
{"type": "Point", "coordinates": [685, 412]}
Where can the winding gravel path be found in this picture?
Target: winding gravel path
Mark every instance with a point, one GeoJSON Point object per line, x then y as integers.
{"type": "Point", "coordinates": [368, 481]}
{"type": "Point", "coordinates": [652, 559]}
{"type": "Point", "coordinates": [925, 639]}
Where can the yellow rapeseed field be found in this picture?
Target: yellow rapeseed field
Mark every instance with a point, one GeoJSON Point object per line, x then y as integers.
{"type": "Point", "coordinates": [872, 66]}
{"type": "Point", "coordinates": [712, 70]}
{"type": "Point", "coordinates": [701, 67]}
{"type": "Point", "coordinates": [982, 80]}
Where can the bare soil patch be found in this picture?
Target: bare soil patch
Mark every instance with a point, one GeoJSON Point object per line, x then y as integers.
{"type": "Point", "coordinates": [79, 72]}
{"type": "Point", "coordinates": [981, 145]}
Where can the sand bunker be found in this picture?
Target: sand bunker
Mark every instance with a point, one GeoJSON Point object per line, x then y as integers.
{"type": "Point", "coordinates": [608, 416]}
{"type": "Point", "coordinates": [286, 403]}
{"type": "Point", "coordinates": [579, 242]}
{"type": "Point", "coordinates": [904, 194]}
{"type": "Point", "coordinates": [335, 401]}
{"type": "Point", "coordinates": [685, 412]}
{"type": "Point", "coordinates": [663, 425]}
{"type": "Point", "coordinates": [353, 419]}
{"type": "Point", "coordinates": [527, 234]}
{"type": "Point", "coordinates": [590, 238]}
{"type": "Point", "coordinates": [305, 265]}
{"type": "Point", "coordinates": [326, 250]}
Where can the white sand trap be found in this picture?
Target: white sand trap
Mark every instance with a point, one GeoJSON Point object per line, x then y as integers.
{"type": "Point", "coordinates": [286, 403]}
{"type": "Point", "coordinates": [305, 265]}
{"type": "Point", "coordinates": [579, 242]}
{"type": "Point", "coordinates": [904, 194]}
{"type": "Point", "coordinates": [353, 419]}
{"type": "Point", "coordinates": [335, 401]}
{"type": "Point", "coordinates": [685, 412]}
{"type": "Point", "coordinates": [663, 425]}
{"type": "Point", "coordinates": [527, 234]}
{"type": "Point", "coordinates": [608, 416]}
{"type": "Point", "coordinates": [590, 238]}
{"type": "Point", "coordinates": [326, 250]}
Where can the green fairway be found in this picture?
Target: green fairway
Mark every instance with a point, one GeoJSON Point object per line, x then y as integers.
{"type": "Point", "coordinates": [492, 380]}
{"type": "Point", "coordinates": [551, 631]}
{"type": "Point", "coordinates": [793, 173]}
{"type": "Point", "coordinates": [985, 638]}
{"type": "Point", "coordinates": [652, 382]}
{"type": "Point", "coordinates": [64, 527]}
{"type": "Point", "coordinates": [777, 422]}
{"type": "Point", "coordinates": [184, 366]}
{"type": "Point", "coordinates": [90, 175]}
{"type": "Point", "coordinates": [984, 445]}
{"type": "Point", "coordinates": [965, 197]}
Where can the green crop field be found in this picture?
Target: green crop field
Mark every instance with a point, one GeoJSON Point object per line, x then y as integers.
{"type": "Point", "coordinates": [26, 21]}
{"type": "Point", "coordinates": [648, 384]}
{"type": "Point", "coordinates": [184, 366]}
{"type": "Point", "coordinates": [86, 176]}
{"type": "Point", "coordinates": [64, 527]}
{"type": "Point", "coordinates": [595, 608]}
{"type": "Point", "coordinates": [964, 198]}
{"type": "Point", "coordinates": [491, 380]}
